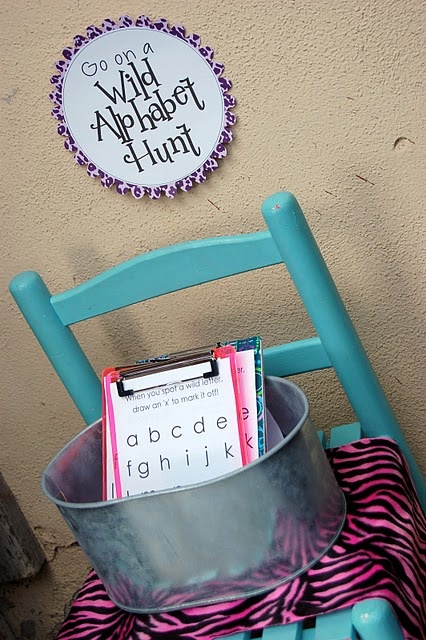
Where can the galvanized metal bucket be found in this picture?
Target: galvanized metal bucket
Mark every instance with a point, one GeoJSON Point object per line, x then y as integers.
{"type": "Point", "coordinates": [229, 538]}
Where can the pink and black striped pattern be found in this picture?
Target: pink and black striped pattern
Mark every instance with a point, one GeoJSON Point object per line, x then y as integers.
{"type": "Point", "coordinates": [380, 553]}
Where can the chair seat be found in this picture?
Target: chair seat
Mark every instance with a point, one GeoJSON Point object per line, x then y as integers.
{"type": "Point", "coordinates": [380, 554]}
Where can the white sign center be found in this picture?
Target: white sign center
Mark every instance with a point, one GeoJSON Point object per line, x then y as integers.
{"type": "Point", "coordinates": [143, 105]}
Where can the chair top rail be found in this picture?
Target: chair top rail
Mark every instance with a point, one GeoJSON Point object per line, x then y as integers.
{"type": "Point", "coordinates": [176, 267]}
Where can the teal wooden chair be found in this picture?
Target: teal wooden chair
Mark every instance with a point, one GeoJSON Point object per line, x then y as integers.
{"type": "Point", "coordinates": [287, 240]}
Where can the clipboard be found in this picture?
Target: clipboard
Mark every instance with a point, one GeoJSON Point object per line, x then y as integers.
{"type": "Point", "coordinates": [156, 371]}
{"type": "Point", "coordinates": [172, 421]}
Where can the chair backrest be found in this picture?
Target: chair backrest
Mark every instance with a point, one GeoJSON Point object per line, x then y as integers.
{"type": "Point", "coordinates": [288, 239]}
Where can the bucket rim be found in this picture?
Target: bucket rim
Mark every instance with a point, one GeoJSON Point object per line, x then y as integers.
{"type": "Point", "coordinates": [191, 487]}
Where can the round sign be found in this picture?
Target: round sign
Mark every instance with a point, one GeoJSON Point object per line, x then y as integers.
{"type": "Point", "coordinates": [144, 106]}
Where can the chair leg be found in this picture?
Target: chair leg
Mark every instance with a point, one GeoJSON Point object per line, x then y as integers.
{"type": "Point", "coordinates": [374, 618]}
{"type": "Point", "coordinates": [312, 279]}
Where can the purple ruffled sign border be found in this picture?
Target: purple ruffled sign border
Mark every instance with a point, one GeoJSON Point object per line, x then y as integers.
{"type": "Point", "coordinates": [161, 24]}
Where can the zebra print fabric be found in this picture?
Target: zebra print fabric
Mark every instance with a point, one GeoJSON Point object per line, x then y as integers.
{"type": "Point", "coordinates": [381, 553]}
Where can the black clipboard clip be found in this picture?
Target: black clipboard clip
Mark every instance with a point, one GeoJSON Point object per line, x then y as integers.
{"type": "Point", "coordinates": [174, 362]}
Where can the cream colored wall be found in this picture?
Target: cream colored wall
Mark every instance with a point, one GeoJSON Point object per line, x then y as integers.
{"type": "Point", "coordinates": [328, 93]}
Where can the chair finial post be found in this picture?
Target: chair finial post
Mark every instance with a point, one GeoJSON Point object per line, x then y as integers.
{"type": "Point", "coordinates": [59, 343]}
{"type": "Point", "coordinates": [308, 270]}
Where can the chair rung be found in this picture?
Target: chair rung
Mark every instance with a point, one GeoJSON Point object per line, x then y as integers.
{"type": "Point", "coordinates": [374, 618]}
{"type": "Point", "coordinates": [344, 434]}
{"type": "Point", "coordinates": [335, 626]}
{"type": "Point", "coordinates": [288, 632]}
{"type": "Point", "coordinates": [295, 357]}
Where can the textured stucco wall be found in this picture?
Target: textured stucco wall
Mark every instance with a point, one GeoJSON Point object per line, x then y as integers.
{"type": "Point", "coordinates": [328, 93]}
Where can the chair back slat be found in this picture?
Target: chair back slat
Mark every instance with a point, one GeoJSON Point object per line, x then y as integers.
{"type": "Point", "coordinates": [295, 357]}
{"type": "Point", "coordinates": [175, 268]}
